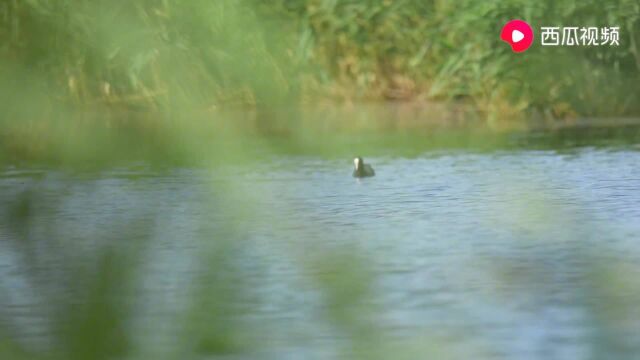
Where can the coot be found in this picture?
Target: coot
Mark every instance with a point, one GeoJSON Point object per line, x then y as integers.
{"type": "Point", "coordinates": [362, 169]}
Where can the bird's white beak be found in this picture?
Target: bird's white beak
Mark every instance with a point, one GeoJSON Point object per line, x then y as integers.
{"type": "Point", "coordinates": [356, 162]}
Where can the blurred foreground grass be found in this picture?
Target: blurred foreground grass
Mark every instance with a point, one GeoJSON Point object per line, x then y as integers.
{"type": "Point", "coordinates": [91, 283]}
{"type": "Point", "coordinates": [199, 82]}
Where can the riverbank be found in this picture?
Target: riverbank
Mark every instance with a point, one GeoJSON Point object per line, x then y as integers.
{"type": "Point", "coordinates": [397, 129]}
{"type": "Point", "coordinates": [168, 58]}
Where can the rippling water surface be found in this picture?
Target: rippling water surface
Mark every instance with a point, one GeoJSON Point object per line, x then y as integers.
{"type": "Point", "coordinates": [489, 253]}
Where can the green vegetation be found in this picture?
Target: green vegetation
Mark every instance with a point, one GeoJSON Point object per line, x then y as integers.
{"type": "Point", "coordinates": [445, 50]}
{"type": "Point", "coordinates": [174, 58]}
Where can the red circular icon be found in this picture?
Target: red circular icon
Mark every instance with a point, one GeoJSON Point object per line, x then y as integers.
{"type": "Point", "coordinates": [518, 34]}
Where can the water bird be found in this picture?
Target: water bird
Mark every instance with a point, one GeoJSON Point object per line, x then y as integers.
{"type": "Point", "coordinates": [362, 169]}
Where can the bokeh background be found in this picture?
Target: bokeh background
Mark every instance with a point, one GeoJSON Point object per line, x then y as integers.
{"type": "Point", "coordinates": [175, 180]}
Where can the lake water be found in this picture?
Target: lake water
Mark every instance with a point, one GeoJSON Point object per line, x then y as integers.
{"type": "Point", "coordinates": [519, 254]}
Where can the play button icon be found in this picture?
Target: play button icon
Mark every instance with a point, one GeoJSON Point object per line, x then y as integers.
{"type": "Point", "coordinates": [518, 34]}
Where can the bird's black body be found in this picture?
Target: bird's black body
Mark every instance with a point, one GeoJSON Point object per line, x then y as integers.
{"type": "Point", "coordinates": [361, 169]}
